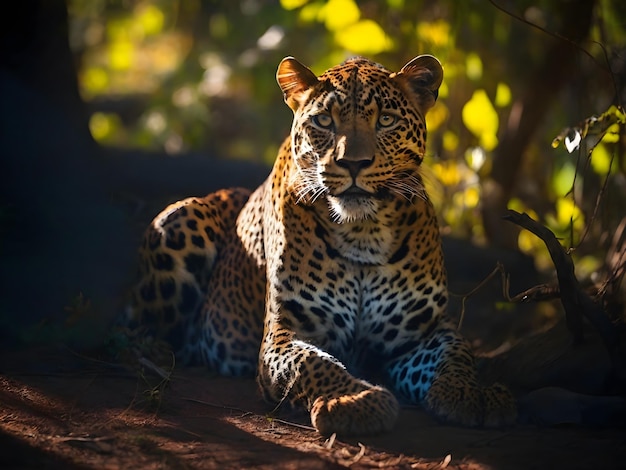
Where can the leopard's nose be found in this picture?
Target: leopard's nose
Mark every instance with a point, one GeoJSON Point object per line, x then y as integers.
{"type": "Point", "coordinates": [354, 166]}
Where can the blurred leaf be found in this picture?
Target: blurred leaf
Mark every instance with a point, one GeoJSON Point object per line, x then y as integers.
{"type": "Point", "coordinates": [450, 141]}
{"type": "Point", "coordinates": [533, 246]}
{"type": "Point", "coordinates": [447, 172]}
{"type": "Point", "coordinates": [121, 55]}
{"type": "Point", "coordinates": [443, 90]}
{"type": "Point", "coordinates": [151, 19]}
{"type": "Point", "coordinates": [563, 178]}
{"type": "Point", "coordinates": [437, 32]}
{"type": "Point", "coordinates": [480, 117]}
{"type": "Point", "coordinates": [292, 4]}
{"type": "Point", "coordinates": [338, 14]}
{"type": "Point", "coordinates": [503, 95]}
{"type": "Point", "coordinates": [586, 266]}
{"type": "Point", "coordinates": [119, 29]}
{"type": "Point", "coordinates": [436, 116]}
{"type": "Point", "coordinates": [567, 212]}
{"type": "Point", "coordinates": [364, 37]}
{"type": "Point", "coordinates": [473, 66]}
{"type": "Point", "coordinates": [529, 243]}
{"type": "Point", "coordinates": [219, 25]}
{"type": "Point", "coordinates": [103, 126]}
{"type": "Point", "coordinates": [471, 197]}
{"type": "Point", "coordinates": [601, 160]}
{"type": "Point", "coordinates": [311, 12]}
{"type": "Point", "coordinates": [95, 80]}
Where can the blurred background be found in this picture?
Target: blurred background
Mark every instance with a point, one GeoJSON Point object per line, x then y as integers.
{"type": "Point", "coordinates": [196, 75]}
{"type": "Point", "coordinates": [112, 108]}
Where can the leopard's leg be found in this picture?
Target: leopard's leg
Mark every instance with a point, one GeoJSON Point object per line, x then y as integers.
{"type": "Point", "coordinates": [189, 253]}
{"type": "Point", "coordinates": [440, 374]}
{"type": "Point", "coordinates": [301, 336]}
{"type": "Point", "coordinates": [298, 371]}
{"type": "Point", "coordinates": [337, 401]}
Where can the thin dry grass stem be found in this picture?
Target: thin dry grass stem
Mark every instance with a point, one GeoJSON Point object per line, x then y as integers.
{"type": "Point", "coordinates": [359, 455]}
{"type": "Point", "coordinates": [446, 461]}
{"type": "Point", "coordinates": [156, 369]}
{"type": "Point", "coordinates": [328, 444]}
{"type": "Point", "coordinates": [215, 405]}
{"type": "Point", "coordinates": [248, 413]}
{"type": "Point", "coordinates": [294, 425]}
{"type": "Point", "coordinates": [615, 259]}
{"type": "Point", "coordinates": [535, 293]}
{"type": "Point", "coordinates": [482, 283]}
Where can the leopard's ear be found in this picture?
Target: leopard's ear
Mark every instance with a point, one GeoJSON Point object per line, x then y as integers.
{"type": "Point", "coordinates": [422, 77]}
{"type": "Point", "coordinates": [294, 79]}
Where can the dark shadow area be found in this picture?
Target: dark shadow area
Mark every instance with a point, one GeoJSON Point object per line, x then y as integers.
{"type": "Point", "coordinates": [71, 211]}
{"type": "Point", "coordinates": [15, 453]}
{"type": "Point", "coordinates": [81, 410]}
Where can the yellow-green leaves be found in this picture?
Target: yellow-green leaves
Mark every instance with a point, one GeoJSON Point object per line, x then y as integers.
{"type": "Point", "coordinates": [437, 33]}
{"type": "Point", "coordinates": [342, 18]}
{"type": "Point", "coordinates": [121, 55]}
{"type": "Point", "coordinates": [339, 14]}
{"type": "Point", "coordinates": [563, 178]}
{"type": "Point", "coordinates": [607, 125]}
{"type": "Point", "coordinates": [473, 66]}
{"type": "Point", "coordinates": [95, 80]}
{"type": "Point", "coordinates": [437, 116]}
{"type": "Point", "coordinates": [601, 160]}
{"type": "Point", "coordinates": [103, 126]}
{"type": "Point", "coordinates": [364, 37]}
{"type": "Point", "coordinates": [292, 4]}
{"type": "Point", "coordinates": [503, 95]}
{"type": "Point", "coordinates": [150, 19]}
{"type": "Point", "coordinates": [481, 118]}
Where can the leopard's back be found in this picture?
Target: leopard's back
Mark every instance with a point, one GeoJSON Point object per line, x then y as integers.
{"type": "Point", "coordinates": [193, 271]}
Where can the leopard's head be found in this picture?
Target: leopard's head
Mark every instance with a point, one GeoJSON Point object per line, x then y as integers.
{"type": "Point", "coordinates": [359, 133]}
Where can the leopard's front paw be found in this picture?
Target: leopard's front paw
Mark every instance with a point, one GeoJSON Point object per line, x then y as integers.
{"type": "Point", "coordinates": [370, 411]}
{"type": "Point", "coordinates": [455, 401]}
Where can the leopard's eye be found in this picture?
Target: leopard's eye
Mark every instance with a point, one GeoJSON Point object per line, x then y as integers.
{"type": "Point", "coordinates": [323, 120]}
{"type": "Point", "coordinates": [387, 120]}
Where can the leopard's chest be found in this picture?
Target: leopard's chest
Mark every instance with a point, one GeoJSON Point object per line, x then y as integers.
{"type": "Point", "coordinates": [349, 284]}
{"type": "Point", "coordinates": [370, 242]}
{"type": "Point", "coordinates": [365, 244]}
{"type": "Point", "coordinates": [354, 305]}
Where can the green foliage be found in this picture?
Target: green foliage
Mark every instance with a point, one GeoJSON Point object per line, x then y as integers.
{"type": "Point", "coordinates": [481, 119]}
{"type": "Point", "coordinates": [204, 73]}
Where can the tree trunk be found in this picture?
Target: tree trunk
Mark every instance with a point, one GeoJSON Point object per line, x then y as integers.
{"type": "Point", "coordinates": [526, 114]}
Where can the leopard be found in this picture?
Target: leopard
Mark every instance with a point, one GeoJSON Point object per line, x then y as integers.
{"type": "Point", "coordinates": [327, 282]}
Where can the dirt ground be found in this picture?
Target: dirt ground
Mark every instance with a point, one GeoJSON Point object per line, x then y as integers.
{"type": "Point", "coordinates": [60, 410]}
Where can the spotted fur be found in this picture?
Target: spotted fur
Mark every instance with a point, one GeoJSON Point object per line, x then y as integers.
{"type": "Point", "coordinates": [328, 279]}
